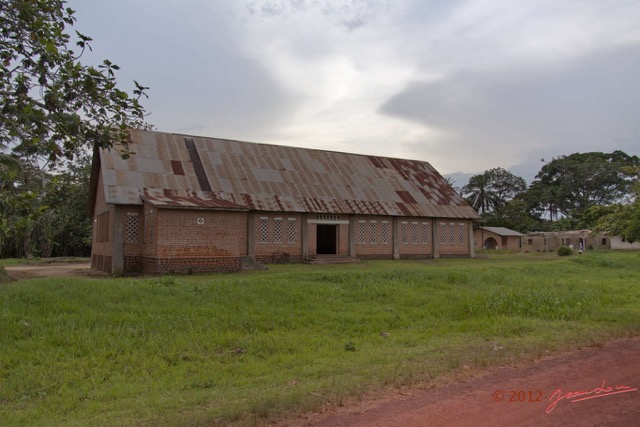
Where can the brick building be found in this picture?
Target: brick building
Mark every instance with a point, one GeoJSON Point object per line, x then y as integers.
{"type": "Point", "coordinates": [497, 238]}
{"type": "Point", "coordinates": [551, 241]}
{"type": "Point", "coordinates": [193, 204]}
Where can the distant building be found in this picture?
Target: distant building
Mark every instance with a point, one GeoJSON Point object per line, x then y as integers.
{"type": "Point", "coordinates": [548, 241]}
{"type": "Point", "coordinates": [497, 238]}
{"type": "Point", "coordinates": [552, 240]}
{"type": "Point", "coordinates": [194, 204]}
{"type": "Point", "coordinates": [616, 243]}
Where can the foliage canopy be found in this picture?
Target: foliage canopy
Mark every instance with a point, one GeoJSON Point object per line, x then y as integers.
{"type": "Point", "coordinates": [597, 191]}
{"type": "Point", "coordinates": [492, 189]}
{"type": "Point", "coordinates": [52, 105]}
{"type": "Point", "coordinates": [53, 108]}
{"type": "Point", "coordinates": [569, 185]}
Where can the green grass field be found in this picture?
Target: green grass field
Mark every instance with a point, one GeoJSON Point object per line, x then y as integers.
{"type": "Point", "coordinates": [247, 347]}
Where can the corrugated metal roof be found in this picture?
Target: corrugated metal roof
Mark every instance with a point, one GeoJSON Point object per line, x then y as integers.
{"type": "Point", "coordinates": [188, 199]}
{"type": "Point", "coordinates": [503, 231]}
{"type": "Point", "coordinates": [171, 170]}
{"type": "Point", "coordinates": [560, 233]}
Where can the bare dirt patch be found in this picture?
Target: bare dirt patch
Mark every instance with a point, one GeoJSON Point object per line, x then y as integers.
{"type": "Point", "coordinates": [594, 386]}
{"type": "Point", "coordinates": [52, 269]}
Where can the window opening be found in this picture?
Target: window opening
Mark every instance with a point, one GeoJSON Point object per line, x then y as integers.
{"type": "Point", "coordinates": [425, 233]}
{"type": "Point", "coordinates": [384, 232]}
{"type": "Point", "coordinates": [132, 227]}
{"type": "Point", "coordinates": [361, 232]}
{"type": "Point", "coordinates": [414, 233]}
{"type": "Point", "coordinates": [373, 232]}
{"type": "Point", "coordinates": [443, 233]}
{"type": "Point", "coordinates": [292, 230]}
{"type": "Point", "coordinates": [277, 230]}
{"type": "Point", "coordinates": [264, 230]}
{"type": "Point", "coordinates": [404, 233]}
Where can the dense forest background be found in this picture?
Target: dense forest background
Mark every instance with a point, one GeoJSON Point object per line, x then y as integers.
{"type": "Point", "coordinates": [44, 214]}
{"type": "Point", "coordinates": [595, 191]}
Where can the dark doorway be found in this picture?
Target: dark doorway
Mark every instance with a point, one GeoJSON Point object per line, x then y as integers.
{"type": "Point", "coordinates": [490, 243]}
{"type": "Point", "coordinates": [327, 239]}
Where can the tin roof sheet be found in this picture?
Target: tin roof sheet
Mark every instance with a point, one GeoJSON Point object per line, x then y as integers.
{"type": "Point", "coordinates": [172, 170]}
{"type": "Point", "coordinates": [503, 231]}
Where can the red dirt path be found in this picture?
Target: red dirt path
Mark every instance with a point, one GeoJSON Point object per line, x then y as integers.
{"type": "Point", "coordinates": [606, 375]}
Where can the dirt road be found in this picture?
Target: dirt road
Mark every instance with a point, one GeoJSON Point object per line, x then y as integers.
{"type": "Point", "coordinates": [49, 270]}
{"type": "Point", "coordinates": [596, 386]}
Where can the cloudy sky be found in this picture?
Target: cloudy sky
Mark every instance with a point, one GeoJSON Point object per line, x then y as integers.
{"type": "Point", "coordinates": [464, 85]}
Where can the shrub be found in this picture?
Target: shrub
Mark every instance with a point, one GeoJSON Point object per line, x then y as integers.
{"type": "Point", "coordinates": [565, 251]}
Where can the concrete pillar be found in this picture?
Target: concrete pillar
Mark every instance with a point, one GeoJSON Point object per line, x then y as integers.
{"type": "Point", "coordinates": [352, 236]}
{"type": "Point", "coordinates": [395, 227]}
{"type": "Point", "coordinates": [251, 235]}
{"type": "Point", "coordinates": [471, 242]}
{"type": "Point", "coordinates": [117, 241]}
{"type": "Point", "coordinates": [435, 238]}
{"type": "Point", "coordinates": [304, 238]}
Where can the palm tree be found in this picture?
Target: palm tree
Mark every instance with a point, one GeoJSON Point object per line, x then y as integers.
{"type": "Point", "coordinates": [477, 193]}
{"type": "Point", "coordinates": [491, 190]}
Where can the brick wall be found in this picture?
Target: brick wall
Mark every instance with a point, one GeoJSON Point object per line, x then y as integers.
{"type": "Point", "coordinates": [415, 238]}
{"type": "Point", "coordinates": [277, 233]}
{"type": "Point", "coordinates": [102, 224]}
{"type": "Point", "coordinates": [373, 237]}
{"type": "Point", "coordinates": [312, 238]}
{"type": "Point", "coordinates": [552, 241]}
{"type": "Point", "coordinates": [101, 262]}
{"type": "Point", "coordinates": [187, 241]}
{"type": "Point", "coordinates": [188, 265]}
{"type": "Point", "coordinates": [199, 233]}
{"type": "Point", "coordinates": [162, 241]}
{"type": "Point", "coordinates": [454, 241]}
{"type": "Point", "coordinates": [342, 232]}
{"type": "Point", "coordinates": [133, 241]}
{"type": "Point", "coordinates": [343, 240]}
{"type": "Point", "coordinates": [503, 242]}
{"type": "Point", "coordinates": [132, 264]}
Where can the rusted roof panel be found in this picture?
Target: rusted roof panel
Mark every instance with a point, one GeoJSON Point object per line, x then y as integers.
{"type": "Point", "coordinates": [172, 170]}
{"type": "Point", "coordinates": [188, 199]}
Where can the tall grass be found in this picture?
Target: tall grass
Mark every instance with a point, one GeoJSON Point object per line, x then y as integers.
{"type": "Point", "coordinates": [245, 347]}
{"type": "Point", "coordinates": [4, 277]}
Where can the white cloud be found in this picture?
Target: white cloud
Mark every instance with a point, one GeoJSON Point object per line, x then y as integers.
{"type": "Point", "coordinates": [466, 85]}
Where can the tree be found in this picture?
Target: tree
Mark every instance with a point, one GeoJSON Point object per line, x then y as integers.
{"type": "Point", "coordinates": [514, 215]}
{"type": "Point", "coordinates": [43, 214]}
{"type": "Point", "coordinates": [623, 222]}
{"type": "Point", "coordinates": [69, 227]}
{"type": "Point", "coordinates": [476, 193]}
{"type": "Point", "coordinates": [492, 189]}
{"type": "Point", "coordinates": [569, 185]}
{"type": "Point", "coordinates": [621, 219]}
{"type": "Point", "coordinates": [52, 105]}
{"type": "Point", "coordinates": [20, 209]}
{"type": "Point", "coordinates": [53, 108]}
{"type": "Point", "coordinates": [542, 198]}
